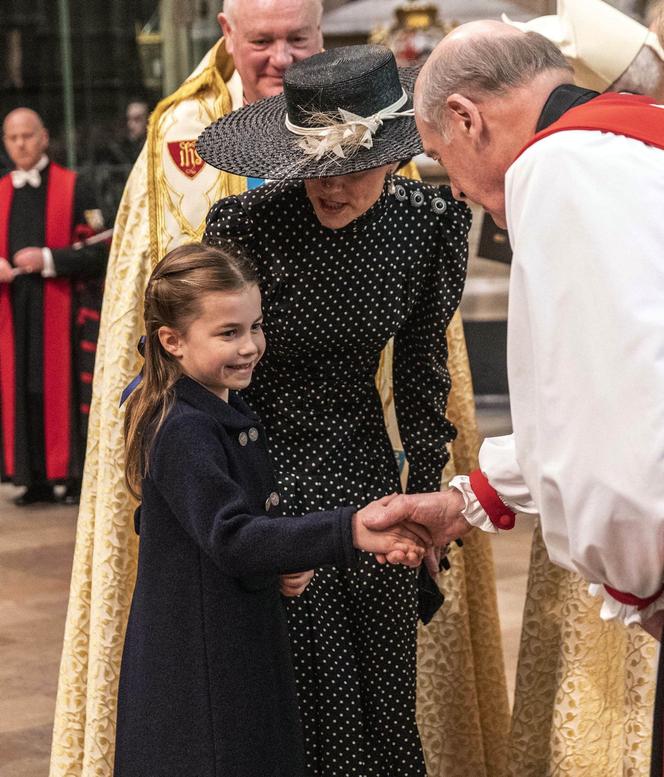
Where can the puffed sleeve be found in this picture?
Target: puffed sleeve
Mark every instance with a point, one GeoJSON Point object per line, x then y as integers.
{"type": "Point", "coordinates": [421, 379]}
{"type": "Point", "coordinates": [228, 224]}
{"type": "Point", "coordinates": [213, 509]}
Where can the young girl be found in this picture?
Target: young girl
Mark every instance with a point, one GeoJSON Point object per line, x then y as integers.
{"type": "Point", "coordinates": [206, 684]}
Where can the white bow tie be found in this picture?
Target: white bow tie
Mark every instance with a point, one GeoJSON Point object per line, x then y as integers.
{"type": "Point", "coordinates": [21, 177]}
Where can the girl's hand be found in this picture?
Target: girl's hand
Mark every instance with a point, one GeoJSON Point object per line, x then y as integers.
{"type": "Point", "coordinates": [404, 543]}
{"type": "Point", "coordinates": [294, 585]}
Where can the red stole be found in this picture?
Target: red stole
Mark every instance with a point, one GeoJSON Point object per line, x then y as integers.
{"type": "Point", "coordinates": [57, 331]}
{"type": "Point", "coordinates": [631, 115]}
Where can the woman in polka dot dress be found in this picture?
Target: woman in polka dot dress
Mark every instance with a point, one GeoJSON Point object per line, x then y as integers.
{"type": "Point", "coordinates": [346, 261]}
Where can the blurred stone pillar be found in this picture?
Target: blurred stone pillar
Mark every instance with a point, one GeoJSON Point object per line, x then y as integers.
{"type": "Point", "coordinates": [176, 19]}
{"type": "Point", "coordinates": [205, 30]}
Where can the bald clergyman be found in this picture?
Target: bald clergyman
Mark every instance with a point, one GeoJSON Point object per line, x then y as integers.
{"type": "Point", "coordinates": [49, 313]}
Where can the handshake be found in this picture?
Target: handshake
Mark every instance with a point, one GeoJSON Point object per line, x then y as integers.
{"type": "Point", "coordinates": [401, 529]}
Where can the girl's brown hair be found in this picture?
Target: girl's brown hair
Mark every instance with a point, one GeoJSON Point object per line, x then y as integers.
{"type": "Point", "coordinates": [172, 299]}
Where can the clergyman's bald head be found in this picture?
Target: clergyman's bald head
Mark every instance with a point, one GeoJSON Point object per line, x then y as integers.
{"type": "Point", "coordinates": [23, 115]}
{"type": "Point", "coordinates": [25, 137]}
{"type": "Point", "coordinates": [483, 58]}
{"type": "Point", "coordinates": [477, 102]}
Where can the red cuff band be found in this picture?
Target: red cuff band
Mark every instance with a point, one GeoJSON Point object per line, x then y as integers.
{"type": "Point", "coordinates": [499, 513]}
{"type": "Point", "coordinates": [640, 604]}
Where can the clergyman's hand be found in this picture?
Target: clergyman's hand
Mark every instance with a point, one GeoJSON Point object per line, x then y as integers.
{"type": "Point", "coordinates": [400, 544]}
{"type": "Point", "coordinates": [439, 512]}
{"type": "Point", "coordinates": [29, 260]}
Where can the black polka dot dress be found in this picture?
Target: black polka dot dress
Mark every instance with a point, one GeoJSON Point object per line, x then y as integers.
{"type": "Point", "coordinates": [331, 300]}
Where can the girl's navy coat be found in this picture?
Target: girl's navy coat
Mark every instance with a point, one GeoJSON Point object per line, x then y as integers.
{"type": "Point", "coordinates": [206, 685]}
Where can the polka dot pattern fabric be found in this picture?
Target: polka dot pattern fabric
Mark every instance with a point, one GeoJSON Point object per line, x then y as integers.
{"type": "Point", "coordinates": [331, 300]}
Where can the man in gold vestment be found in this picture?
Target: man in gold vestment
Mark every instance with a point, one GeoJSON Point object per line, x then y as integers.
{"type": "Point", "coordinates": [461, 688]}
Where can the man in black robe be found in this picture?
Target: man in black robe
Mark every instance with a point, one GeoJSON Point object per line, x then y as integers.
{"type": "Point", "coordinates": [49, 312]}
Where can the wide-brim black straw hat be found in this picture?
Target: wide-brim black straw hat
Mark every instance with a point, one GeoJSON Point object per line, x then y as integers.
{"type": "Point", "coordinates": [323, 100]}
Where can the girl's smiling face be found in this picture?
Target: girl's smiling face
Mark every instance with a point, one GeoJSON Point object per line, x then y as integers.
{"type": "Point", "coordinates": [221, 346]}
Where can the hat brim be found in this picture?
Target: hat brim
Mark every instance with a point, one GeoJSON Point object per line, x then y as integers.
{"type": "Point", "coordinates": [254, 142]}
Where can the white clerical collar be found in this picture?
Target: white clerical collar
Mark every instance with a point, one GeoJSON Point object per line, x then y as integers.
{"type": "Point", "coordinates": [32, 177]}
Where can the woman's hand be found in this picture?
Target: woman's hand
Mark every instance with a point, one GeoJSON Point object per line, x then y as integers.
{"type": "Point", "coordinates": [294, 585]}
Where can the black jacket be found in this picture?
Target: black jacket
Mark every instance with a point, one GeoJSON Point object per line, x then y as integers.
{"type": "Point", "coordinates": [206, 685]}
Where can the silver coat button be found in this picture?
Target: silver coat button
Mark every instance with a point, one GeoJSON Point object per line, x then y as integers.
{"type": "Point", "coordinates": [438, 205]}
{"type": "Point", "coordinates": [416, 199]}
{"type": "Point", "coordinates": [400, 193]}
{"type": "Point", "coordinates": [253, 434]}
{"type": "Point", "coordinates": [243, 439]}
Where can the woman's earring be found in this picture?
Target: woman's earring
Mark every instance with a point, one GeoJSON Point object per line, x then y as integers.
{"type": "Point", "coordinates": [391, 187]}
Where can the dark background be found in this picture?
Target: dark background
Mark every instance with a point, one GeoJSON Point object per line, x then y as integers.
{"type": "Point", "coordinates": [106, 64]}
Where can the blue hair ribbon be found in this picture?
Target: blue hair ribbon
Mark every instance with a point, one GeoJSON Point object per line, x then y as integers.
{"type": "Point", "coordinates": [135, 381]}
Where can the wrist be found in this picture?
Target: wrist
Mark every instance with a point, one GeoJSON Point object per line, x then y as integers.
{"type": "Point", "coordinates": [499, 513]}
{"type": "Point", "coordinates": [355, 530]}
{"type": "Point", "coordinates": [459, 503]}
{"type": "Point", "coordinates": [472, 511]}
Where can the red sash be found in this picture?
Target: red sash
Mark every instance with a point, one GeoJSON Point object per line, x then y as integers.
{"type": "Point", "coordinates": [630, 115]}
{"type": "Point", "coordinates": [57, 330]}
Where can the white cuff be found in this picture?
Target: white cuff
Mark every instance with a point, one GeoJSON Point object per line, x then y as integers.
{"type": "Point", "coordinates": [627, 613]}
{"type": "Point", "coordinates": [473, 511]}
{"type": "Point", "coordinates": [49, 264]}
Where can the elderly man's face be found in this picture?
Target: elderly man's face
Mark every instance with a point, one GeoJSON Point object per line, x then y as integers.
{"type": "Point", "coordinates": [25, 138]}
{"type": "Point", "coordinates": [266, 36]}
{"type": "Point", "coordinates": [474, 175]}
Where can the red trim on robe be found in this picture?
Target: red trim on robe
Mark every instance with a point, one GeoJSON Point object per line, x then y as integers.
{"type": "Point", "coordinates": [500, 515]}
{"type": "Point", "coordinates": [606, 113]}
{"type": "Point", "coordinates": [630, 599]}
{"type": "Point", "coordinates": [87, 314]}
{"type": "Point", "coordinates": [58, 328]}
{"type": "Point", "coordinates": [7, 364]}
{"type": "Point", "coordinates": [57, 331]}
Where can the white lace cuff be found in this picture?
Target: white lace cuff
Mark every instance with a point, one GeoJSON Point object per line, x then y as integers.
{"type": "Point", "coordinates": [473, 511]}
{"type": "Point", "coordinates": [627, 613]}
